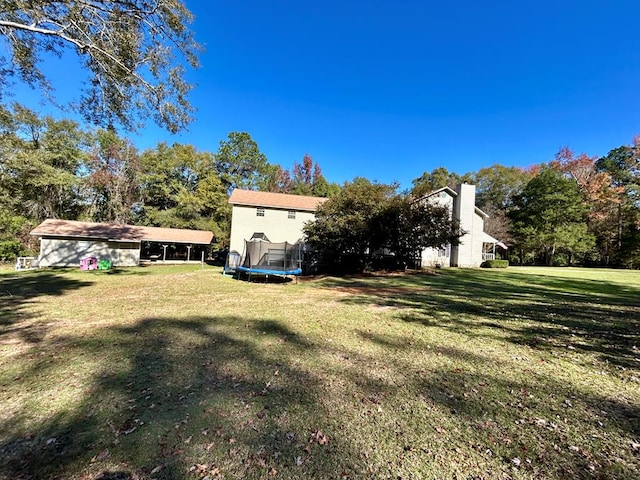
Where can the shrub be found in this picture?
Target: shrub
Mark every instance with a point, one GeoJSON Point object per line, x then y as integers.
{"type": "Point", "coordinates": [10, 249]}
{"type": "Point", "coordinates": [495, 264]}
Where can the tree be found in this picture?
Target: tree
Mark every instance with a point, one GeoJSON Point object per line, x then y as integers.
{"type": "Point", "coordinates": [341, 233]}
{"type": "Point", "coordinates": [39, 163]}
{"type": "Point", "coordinates": [279, 181]}
{"type": "Point", "coordinates": [366, 217]}
{"type": "Point", "coordinates": [438, 178]}
{"type": "Point", "coordinates": [622, 164]}
{"type": "Point", "coordinates": [112, 184]}
{"type": "Point", "coordinates": [405, 227]}
{"type": "Point", "coordinates": [240, 163]}
{"type": "Point", "coordinates": [548, 213]}
{"type": "Point", "coordinates": [134, 51]}
{"type": "Point", "coordinates": [599, 194]}
{"type": "Point", "coordinates": [309, 180]}
{"type": "Point", "coordinates": [496, 187]}
{"type": "Point", "coordinates": [181, 188]}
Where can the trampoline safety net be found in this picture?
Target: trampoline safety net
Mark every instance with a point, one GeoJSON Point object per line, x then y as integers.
{"type": "Point", "coordinates": [271, 258]}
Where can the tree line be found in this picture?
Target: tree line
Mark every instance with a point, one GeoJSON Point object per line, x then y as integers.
{"type": "Point", "coordinates": [574, 209]}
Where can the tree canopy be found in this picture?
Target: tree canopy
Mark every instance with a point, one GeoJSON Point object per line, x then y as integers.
{"type": "Point", "coordinates": [550, 216]}
{"type": "Point", "coordinates": [134, 52]}
{"type": "Point", "coordinates": [367, 218]}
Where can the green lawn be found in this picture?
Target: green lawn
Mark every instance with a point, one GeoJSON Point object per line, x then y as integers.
{"type": "Point", "coordinates": [180, 372]}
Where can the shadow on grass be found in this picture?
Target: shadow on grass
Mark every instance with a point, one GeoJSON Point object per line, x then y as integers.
{"type": "Point", "coordinates": [172, 394]}
{"type": "Point", "coordinates": [549, 427]}
{"type": "Point", "coordinates": [19, 291]}
{"type": "Point", "coordinates": [191, 397]}
{"type": "Point", "coordinates": [541, 311]}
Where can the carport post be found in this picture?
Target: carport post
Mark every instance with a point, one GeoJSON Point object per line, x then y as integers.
{"type": "Point", "coordinates": [164, 253]}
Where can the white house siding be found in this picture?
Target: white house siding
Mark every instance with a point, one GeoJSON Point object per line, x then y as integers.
{"type": "Point", "coordinates": [478, 238]}
{"type": "Point", "coordinates": [124, 254]}
{"type": "Point", "coordinates": [275, 224]}
{"type": "Point", "coordinates": [462, 255]}
{"type": "Point", "coordinates": [67, 252]}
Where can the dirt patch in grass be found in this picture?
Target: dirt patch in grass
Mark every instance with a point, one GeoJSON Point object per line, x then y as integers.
{"type": "Point", "coordinates": [372, 290]}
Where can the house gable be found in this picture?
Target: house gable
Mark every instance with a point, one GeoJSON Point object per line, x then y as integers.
{"type": "Point", "coordinates": [279, 216]}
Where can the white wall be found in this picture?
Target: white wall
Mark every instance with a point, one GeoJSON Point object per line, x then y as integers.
{"type": "Point", "coordinates": [478, 228]}
{"type": "Point", "coordinates": [275, 225]}
{"type": "Point", "coordinates": [67, 252]}
{"type": "Point", "coordinates": [464, 212]}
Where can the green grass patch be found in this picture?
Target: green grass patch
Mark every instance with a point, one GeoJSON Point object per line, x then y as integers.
{"type": "Point", "coordinates": [179, 372]}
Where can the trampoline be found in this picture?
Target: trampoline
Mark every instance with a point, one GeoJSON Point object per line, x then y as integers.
{"type": "Point", "coordinates": [262, 257]}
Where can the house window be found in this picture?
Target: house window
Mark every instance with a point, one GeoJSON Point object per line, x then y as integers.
{"type": "Point", "coordinates": [259, 212]}
{"type": "Point", "coordinates": [444, 252]}
{"type": "Point", "coordinates": [292, 214]}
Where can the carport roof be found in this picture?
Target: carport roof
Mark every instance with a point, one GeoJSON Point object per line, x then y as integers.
{"type": "Point", "coordinates": [120, 232]}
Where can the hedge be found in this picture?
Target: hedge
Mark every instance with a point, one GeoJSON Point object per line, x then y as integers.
{"type": "Point", "coordinates": [495, 264]}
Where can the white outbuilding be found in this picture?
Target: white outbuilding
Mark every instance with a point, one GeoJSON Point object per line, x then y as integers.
{"type": "Point", "coordinates": [64, 243]}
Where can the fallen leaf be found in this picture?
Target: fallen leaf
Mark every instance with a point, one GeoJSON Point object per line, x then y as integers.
{"type": "Point", "coordinates": [101, 456]}
{"type": "Point", "coordinates": [319, 437]}
{"type": "Point", "coordinates": [273, 472]}
{"type": "Point", "coordinates": [156, 470]}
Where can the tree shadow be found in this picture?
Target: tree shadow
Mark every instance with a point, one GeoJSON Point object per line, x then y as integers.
{"type": "Point", "coordinates": [533, 416]}
{"type": "Point", "coordinates": [173, 394]}
{"type": "Point", "coordinates": [18, 294]}
{"type": "Point", "coordinates": [553, 313]}
{"type": "Point", "coordinates": [188, 397]}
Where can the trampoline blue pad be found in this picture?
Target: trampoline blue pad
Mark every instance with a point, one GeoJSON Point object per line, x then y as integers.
{"type": "Point", "coordinates": [270, 271]}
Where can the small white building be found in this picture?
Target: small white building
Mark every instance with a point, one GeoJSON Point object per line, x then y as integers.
{"type": "Point", "coordinates": [64, 243]}
{"type": "Point", "coordinates": [475, 246]}
{"type": "Point", "coordinates": [277, 217]}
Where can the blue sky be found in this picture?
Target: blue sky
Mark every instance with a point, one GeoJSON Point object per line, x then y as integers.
{"type": "Point", "coordinates": [388, 90]}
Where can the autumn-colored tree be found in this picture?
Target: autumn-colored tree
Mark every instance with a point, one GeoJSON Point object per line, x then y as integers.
{"type": "Point", "coordinates": [600, 195]}
{"type": "Point", "coordinates": [279, 180]}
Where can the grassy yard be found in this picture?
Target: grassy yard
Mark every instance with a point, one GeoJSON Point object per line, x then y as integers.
{"type": "Point", "coordinates": [180, 372]}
